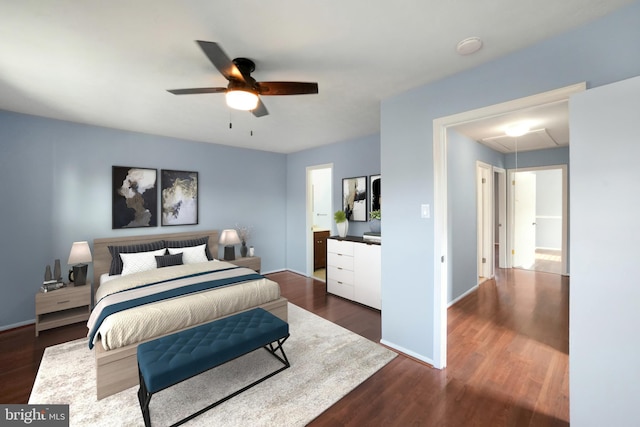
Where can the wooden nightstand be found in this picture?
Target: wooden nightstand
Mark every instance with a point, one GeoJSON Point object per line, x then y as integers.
{"type": "Point", "coordinates": [252, 262]}
{"type": "Point", "coordinates": [64, 306]}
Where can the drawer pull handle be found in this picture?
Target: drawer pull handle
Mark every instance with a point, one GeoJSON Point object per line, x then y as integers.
{"type": "Point", "coordinates": [64, 302]}
{"type": "Point", "coordinates": [341, 283]}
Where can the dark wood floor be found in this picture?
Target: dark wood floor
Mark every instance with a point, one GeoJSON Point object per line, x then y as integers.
{"type": "Point", "coordinates": [507, 364]}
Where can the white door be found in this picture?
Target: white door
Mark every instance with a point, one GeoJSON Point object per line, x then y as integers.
{"type": "Point", "coordinates": [500, 176]}
{"type": "Point", "coordinates": [524, 230]}
{"type": "Point", "coordinates": [484, 213]}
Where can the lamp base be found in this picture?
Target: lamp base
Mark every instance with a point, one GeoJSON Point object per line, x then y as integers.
{"type": "Point", "coordinates": [229, 253]}
{"type": "Point", "coordinates": [80, 274]}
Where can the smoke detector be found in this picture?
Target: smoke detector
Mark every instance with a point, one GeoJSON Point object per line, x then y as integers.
{"type": "Point", "coordinates": [469, 45]}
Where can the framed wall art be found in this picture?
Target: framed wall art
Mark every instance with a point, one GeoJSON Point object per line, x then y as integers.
{"type": "Point", "coordinates": [179, 197]}
{"type": "Point", "coordinates": [134, 197]}
{"type": "Point", "coordinates": [354, 198]}
{"type": "Point", "coordinates": [375, 198]}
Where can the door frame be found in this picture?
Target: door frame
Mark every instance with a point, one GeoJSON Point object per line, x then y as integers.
{"type": "Point", "coordinates": [441, 277]}
{"type": "Point", "coordinates": [309, 211]}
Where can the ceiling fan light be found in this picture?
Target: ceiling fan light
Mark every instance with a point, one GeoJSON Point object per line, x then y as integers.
{"type": "Point", "coordinates": [242, 99]}
{"type": "Point", "coordinates": [518, 129]}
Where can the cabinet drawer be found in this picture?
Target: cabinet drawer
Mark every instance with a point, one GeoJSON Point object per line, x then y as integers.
{"type": "Point", "coordinates": [340, 261]}
{"type": "Point", "coordinates": [339, 275]}
{"type": "Point", "coordinates": [50, 302]}
{"type": "Point", "coordinates": [340, 247]}
{"type": "Point", "coordinates": [341, 289]}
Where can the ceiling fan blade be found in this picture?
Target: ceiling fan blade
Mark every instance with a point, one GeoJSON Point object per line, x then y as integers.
{"type": "Point", "coordinates": [287, 88]}
{"type": "Point", "coordinates": [260, 110]}
{"type": "Point", "coordinates": [197, 90]}
{"type": "Point", "coordinates": [220, 60]}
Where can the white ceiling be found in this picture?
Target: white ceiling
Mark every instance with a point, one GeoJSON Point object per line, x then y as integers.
{"type": "Point", "coordinates": [548, 124]}
{"type": "Point", "coordinates": [109, 63]}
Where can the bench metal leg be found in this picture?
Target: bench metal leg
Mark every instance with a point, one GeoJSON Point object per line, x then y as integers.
{"type": "Point", "coordinates": [144, 397]}
{"type": "Point", "coordinates": [272, 349]}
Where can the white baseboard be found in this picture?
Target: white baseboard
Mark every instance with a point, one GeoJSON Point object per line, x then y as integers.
{"type": "Point", "coordinates": [462, 296]}
{"type": "Point", "coordinates": [408, 352]}
{"type": "Point", "coordinates": [297, 272]}
{"type": "Point", "coordinates": [273, 271]}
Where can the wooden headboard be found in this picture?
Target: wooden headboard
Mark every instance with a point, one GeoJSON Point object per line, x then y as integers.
{"type": "Point", "coordinates": [102, 256]}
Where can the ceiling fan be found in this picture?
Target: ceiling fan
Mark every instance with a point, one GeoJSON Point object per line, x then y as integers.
{"type": "Point", "coordinates": [243, 91]}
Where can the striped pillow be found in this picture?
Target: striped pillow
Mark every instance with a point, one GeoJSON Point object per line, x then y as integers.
{"type": "Point", "coordinates": [116, 261]}
{"type": "Point", "coordinates": [169, 260]}
{"type": "Point", "coordinates": [190, 243]}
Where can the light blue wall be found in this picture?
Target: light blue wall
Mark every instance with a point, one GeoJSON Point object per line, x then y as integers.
{"type": "Point", "coordinates": [57, 189]}
{"type": "Point", "coordinates": [529, 159]}
{"type": "Point", "coordinates": [462, 156]}
{"type": "Point", "coordinates": [604, 316]}
{"type": "Point", "coordinates": [597, 53]}
{"type": "Point", "coordinates": [358, 157]}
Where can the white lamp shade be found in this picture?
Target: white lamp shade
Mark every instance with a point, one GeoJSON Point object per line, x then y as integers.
{"type": "Point", "coordinates": [229, 237]}
{"type": "Point", "coordinates": [242, 100]}
{"type": "Point", "coordinates": [80, 253]}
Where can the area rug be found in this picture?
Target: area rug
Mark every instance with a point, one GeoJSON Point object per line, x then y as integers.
{"type": "Point", "coordinates": [327, 362]}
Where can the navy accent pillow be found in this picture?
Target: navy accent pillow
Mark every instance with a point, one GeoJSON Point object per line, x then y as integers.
{"type": "Point", "coordinates": [189, 243]}
{"type": "Point", "coordinates": [116, 261]}
{"type": "Point", "coordinates": [169, 260]}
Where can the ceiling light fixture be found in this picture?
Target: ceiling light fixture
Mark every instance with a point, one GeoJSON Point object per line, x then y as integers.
{"type": "Point", "coordinates": [517, 129]}
{"type": "Point", "coordinates": [469, 45]}
{"type": "Point", "coordinates": [242, 99]}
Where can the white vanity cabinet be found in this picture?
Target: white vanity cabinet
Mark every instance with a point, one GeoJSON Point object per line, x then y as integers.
{"type": "Point", "coordinates": [353, 270]}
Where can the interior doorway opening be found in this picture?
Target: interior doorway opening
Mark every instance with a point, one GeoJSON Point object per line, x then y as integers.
{"type": "Point", "coordinates": [538, 208]}
{"type": "Point", "coordinates": [442, 278]}
{"type": "Point", "coordinates": [319, 218]}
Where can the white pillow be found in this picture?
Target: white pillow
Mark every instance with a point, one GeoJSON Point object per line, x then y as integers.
{"type": "Point", "coordinates": [191, 255]}
{"type": "Point", "coordinates": [140, 261]}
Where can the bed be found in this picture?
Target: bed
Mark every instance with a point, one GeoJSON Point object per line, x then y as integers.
{"type": "Point", "coordinates": [116, 364]}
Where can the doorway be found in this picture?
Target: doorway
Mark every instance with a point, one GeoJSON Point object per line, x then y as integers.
{"type": "Point", "coordinates": [319, 208]}
{"type": "Point", "coordinates": [491, 196]}
{"type": "Point", "coordinates": [538, 208]}
{"type": "Point", "coordinates": [441, 225]}
{"type": "Point", "coordinates": [500, 218]}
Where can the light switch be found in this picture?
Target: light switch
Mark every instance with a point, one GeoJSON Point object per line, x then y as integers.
{"type": "Point", "coordinates": [425, 211]}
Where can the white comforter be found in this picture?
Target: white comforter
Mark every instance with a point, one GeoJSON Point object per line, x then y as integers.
{"type": "Point", "coordinates": [155, 319]}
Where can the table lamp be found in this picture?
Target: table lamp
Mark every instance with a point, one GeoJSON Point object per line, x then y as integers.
{"type": "Point", "coordinates": [79, 256]}
{"type": "Point", "coordinates": [229, 238]}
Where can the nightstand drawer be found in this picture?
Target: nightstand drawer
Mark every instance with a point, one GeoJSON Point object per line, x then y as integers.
{"type": "Point", "coordinates": [252, 262]}
{"type": "Point", "coordinates": [62, 299]}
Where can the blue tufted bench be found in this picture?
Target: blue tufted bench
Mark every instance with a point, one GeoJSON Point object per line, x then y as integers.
{"type": "Point", "coordinates": [171, 359]}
